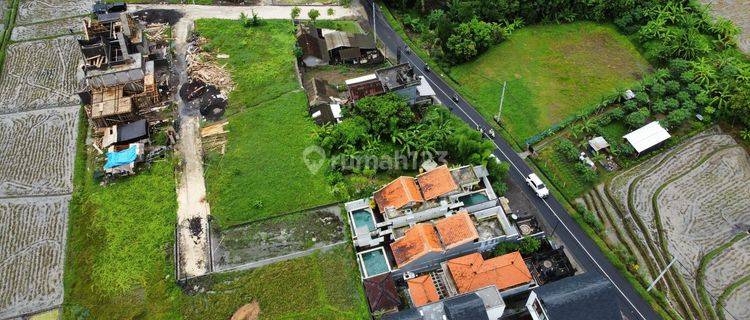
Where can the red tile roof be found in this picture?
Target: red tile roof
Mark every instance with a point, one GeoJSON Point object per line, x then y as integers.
{"type": "Point", "coordinates": [436, 182]}
{"type": "Point", "coordinates": [418, 241]}
{"type": "Point", "coordinates": [456, 230]}
{"type": "Point", "coordinates": [422, 290]}
{"type": "Point", "coordinates": [472, 272]}
{"type": "Point", "coordinates": [398, 194]}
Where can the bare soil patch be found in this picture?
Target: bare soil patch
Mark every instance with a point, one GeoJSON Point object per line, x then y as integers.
{"type": "Point", "coordinates": [278, 236]}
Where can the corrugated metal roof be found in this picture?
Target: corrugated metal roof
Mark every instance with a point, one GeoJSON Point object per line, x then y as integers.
{"type": "Point", "coordinates": [647, 136]}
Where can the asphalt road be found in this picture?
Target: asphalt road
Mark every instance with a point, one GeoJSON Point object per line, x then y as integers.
{"type": "Point", "coordinates": [585, 251]}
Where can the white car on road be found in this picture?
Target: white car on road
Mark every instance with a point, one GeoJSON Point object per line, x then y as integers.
{"type": "Point", "coordinates": [537, 185]}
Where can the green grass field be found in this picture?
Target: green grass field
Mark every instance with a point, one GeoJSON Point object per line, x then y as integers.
{"type": "Point", "coordinates": [553, 72]}
{"type": "Point", "coordinates": [262, 172]}
{"type": "Point", "coordinates": [117, 265]}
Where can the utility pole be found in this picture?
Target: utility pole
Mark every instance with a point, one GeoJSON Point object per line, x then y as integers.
{"type": "Point", "coordinates": [661, 275]}
{"type": "Point", "coordinates": [374, 31]}
{"type": "Point", "coordinates": [502, 98]}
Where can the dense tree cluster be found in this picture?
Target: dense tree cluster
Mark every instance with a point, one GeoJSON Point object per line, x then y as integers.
{"type": "Point", "coordinates": [382, 126]}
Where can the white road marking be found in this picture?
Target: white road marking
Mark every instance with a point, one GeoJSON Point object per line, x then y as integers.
{"type": "Point", "coordinates": [543, 200]}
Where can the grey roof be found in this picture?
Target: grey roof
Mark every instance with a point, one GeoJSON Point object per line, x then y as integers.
{"type": "Point", "coordinates": [586, 296]}
{"type": "Point", "coordinates": [468, 306]}
{"type": "Point", "coordinates": [338, 39]}
{"type": "Point", "coordinates": [116, 78]}
{"type": "Point", "coordinates": [408, 314]}
{"type": "Point", "coordinates": [133, 131]}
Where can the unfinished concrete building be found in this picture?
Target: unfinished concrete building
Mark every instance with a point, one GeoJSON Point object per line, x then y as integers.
{"type": "Point", "coordinates": [119, 67]}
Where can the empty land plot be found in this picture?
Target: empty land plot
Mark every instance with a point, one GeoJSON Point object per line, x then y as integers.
{"type": "Point", "coordinates": [32, 244]}
{"type": "Point", "coordinates": [40, 74]}
{"type": "Point", "coordinates": [32, 11]}
{"type": "Point", "coordinates": [37, 150]}
{"type": "Point", "coordinates": [553, 72]}
{"type": "Point", "coordinates": [278, 236]}
{"type": "Point", "coordinates": [696, 194]}
{"type": "Point", "coordinates": [47, 29]}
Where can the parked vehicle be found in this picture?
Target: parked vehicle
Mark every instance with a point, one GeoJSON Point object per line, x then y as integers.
{"type": "Point", "coordinates": [537, 185]}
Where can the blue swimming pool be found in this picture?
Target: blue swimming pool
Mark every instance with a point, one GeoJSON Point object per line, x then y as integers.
{"type": "Point", "coordinates": [363, 218]}
{"type": "Point", "coordinates": [374, 263]}
{"type": "Point", "coordinates": [474, 198]}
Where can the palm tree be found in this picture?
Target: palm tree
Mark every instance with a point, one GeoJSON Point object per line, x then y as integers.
{"type": "Point", "coordinates": [704, 71]}
{"type": "Point", "coordinates": [745, 134]}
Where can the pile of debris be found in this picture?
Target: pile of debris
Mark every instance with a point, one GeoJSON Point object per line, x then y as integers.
{"type": "Point", "coordinates": [201, 65]}
{"type": "Point", "coordinates": [214, 137]}
{"type": "Point", "coordinates": [126, 69]}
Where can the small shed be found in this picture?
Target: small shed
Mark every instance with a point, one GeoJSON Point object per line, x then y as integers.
{"type": "Point", "coordinates": [647, 137]}
{"type": "Point", "coordinates": [126, 133]}
{"type": "Point", "coordinates": [598, 143]}
{"type": "Point", "coordinates": [326, 113]}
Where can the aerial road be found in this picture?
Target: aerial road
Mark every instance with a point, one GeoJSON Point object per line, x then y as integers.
{"type": "Point", "coordinates": [575, 240]}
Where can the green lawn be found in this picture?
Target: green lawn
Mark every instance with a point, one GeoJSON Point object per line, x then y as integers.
{"type": "Point", "coordinates": [117, 265]}
{"type": "Point", "coordinates": [553, 72]}
{"type": "Point", "coordinates": [262, 172]}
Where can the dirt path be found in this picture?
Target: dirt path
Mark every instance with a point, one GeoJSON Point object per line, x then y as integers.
{"type": "Point", "coordinates": [192, 209]}
{"type": "Point", "coordinates": [192, 12]}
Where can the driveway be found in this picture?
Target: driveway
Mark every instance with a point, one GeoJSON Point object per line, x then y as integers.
{"type": "Point", "coordinates": [192, 12]}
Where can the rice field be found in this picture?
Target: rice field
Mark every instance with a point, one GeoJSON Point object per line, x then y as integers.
{"type": "Point", "coordinates": [34, 11]}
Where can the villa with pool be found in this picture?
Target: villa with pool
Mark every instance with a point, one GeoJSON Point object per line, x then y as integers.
{"type": "Point", "coordinates": [417, 225]}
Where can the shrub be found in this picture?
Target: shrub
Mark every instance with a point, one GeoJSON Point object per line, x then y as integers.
{"type": "Point", "coordinates": [659, 106]}
{"type": "Point", "coordinates": [500, 188]}
{"type": "Point", "coordinates": [659, 89]}
{"type": "Point", "coordinates": [683, 96]}
{"type": "Point", "coordinates": [689, 105]}
{"type": "Point", "coordinates": [673, 86]}
{"type": "Point", "coordinates": [568, 150]}
{"type": "Point", "coordinates": [617, 113]}
{"type": "Point", "coordinates": [586, 174]}
{"type": "Point", "coordinates": [498, 170]}
{"type": "Point", "coordinates": [694, 88]}
{"type": "Point", "coordinates": [641, 97]}
{"type": "Point", "coordinates": [630, 105]}
{"type": "Point", "coordinates": [677, 117]}
{"type": "Point", "coordinates": [530, 245]}
{"type": "Point", "coordinates": [672, 103]}
{"type": "Point", "coordinates": [590, 218]}
{"type": "Point", "coordinates": [636, 118]}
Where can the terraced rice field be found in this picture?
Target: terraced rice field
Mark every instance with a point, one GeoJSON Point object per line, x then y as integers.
{"type": "Point", "coordinates": [37, 150]}
{"type": "Point", "coordinates": [682, 204]}
{"type": "Point", "coordinates": [32, 247]}
{"type": "Point", "coordinates": [40, 74]}
{"type": "Point", "coordinates": [33, 11]}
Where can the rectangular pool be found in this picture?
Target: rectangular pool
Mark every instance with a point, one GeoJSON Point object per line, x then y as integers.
{"type": "Point", "coordinates": [374, 262]}
{"type": "Point", "coordinates": [474, 198]}
{"type": "Point", "coordinates": [362, 218]}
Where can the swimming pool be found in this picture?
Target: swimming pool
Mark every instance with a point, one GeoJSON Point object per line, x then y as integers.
{"type": "Point", "coordinates": [474, 198]}
{"type": "Point", "coordinates": [363, 218]}
{"type": "Point", "coordinates": [374, 262]}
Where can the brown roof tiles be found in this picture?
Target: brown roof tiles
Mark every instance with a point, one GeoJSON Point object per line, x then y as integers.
{"type": "Point", "coordinates": [472, 272]}
{"type": "Point", "coordinates": [418, 241]}
{"type": "Point", "coordinates": [398, 193]}
{"type": "Point", "coordinates": [436, 182]}
{"type": "Point", "coordinates": [456, 230]}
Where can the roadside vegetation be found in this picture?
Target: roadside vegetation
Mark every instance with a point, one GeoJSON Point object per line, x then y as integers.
{"type": "Point", "coordinates": [263, 171]}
